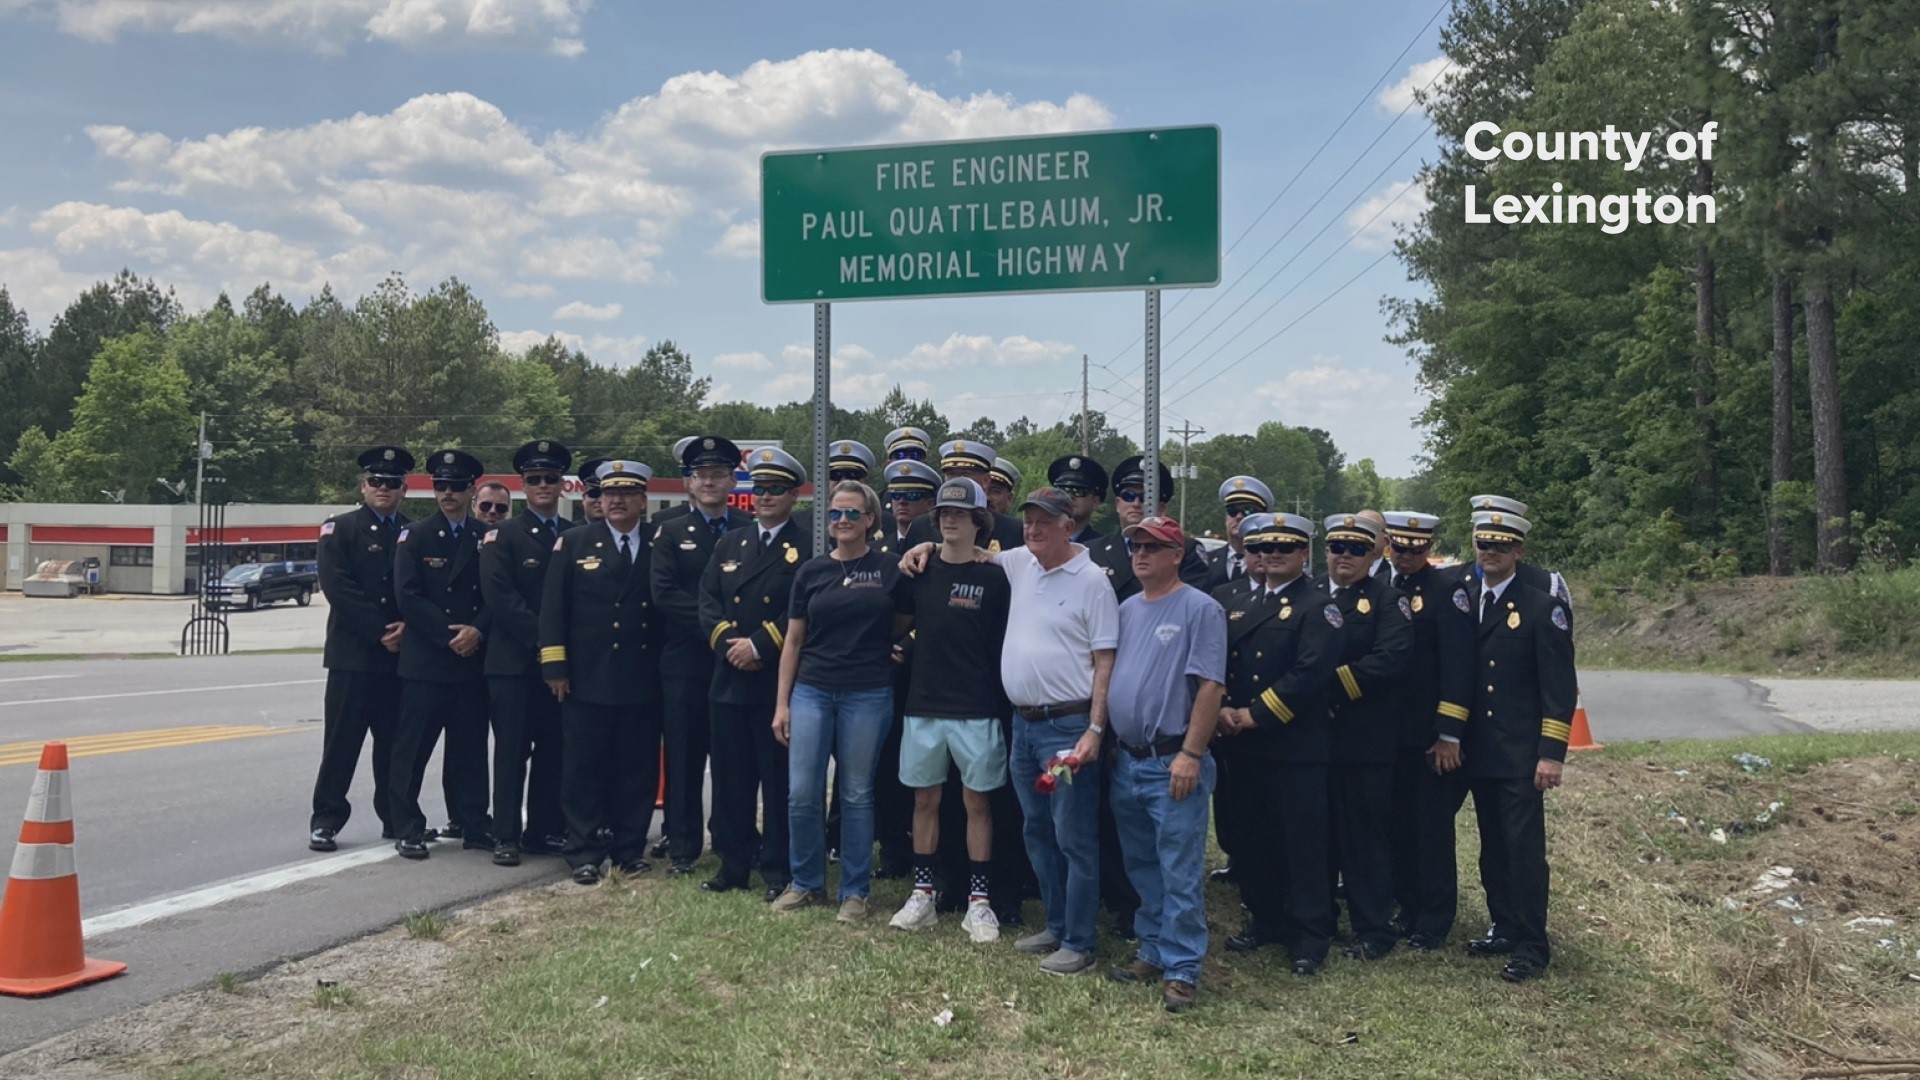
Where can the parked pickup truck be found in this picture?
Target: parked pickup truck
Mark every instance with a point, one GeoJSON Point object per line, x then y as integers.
{"type": "Point", "coordinates": [252, 585]}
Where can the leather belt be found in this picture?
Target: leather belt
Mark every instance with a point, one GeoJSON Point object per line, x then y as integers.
{"type": "Point", "coordinates": [1159, 748]}
{"type": "Point", "coordinates": [1049, 712]}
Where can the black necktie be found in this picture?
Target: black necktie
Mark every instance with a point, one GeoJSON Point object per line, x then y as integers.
{"type": "Point", "coordinates": [1399, 581]}
{"type": "Point", "coordinates": [626, 552]}
{"type": "Point", "coordinates": [456, 532]}
{"type": "Point", "coordinates": [718, 526]}
{"type": "Point", "coordinates": [1486, 606]}
{"type": "Point", "coordinates": [766, 538]}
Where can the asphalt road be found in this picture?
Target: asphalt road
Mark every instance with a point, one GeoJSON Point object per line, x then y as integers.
{"type": "Point", "coordinates": [192, 779]}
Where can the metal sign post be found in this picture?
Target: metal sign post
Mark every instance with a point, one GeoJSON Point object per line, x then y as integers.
{"type": "Point", "coordinates": [1150, 440]}
{"type": "Point", "coordinates": [822, 414]}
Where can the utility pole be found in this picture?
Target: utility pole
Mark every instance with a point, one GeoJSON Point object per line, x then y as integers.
{"type": "Point", "coordinates": [200, 460]}
{"type": "Point", "coordinates": [1086, 440]}
{"type": "Point", "coordinates": [1186, 434]}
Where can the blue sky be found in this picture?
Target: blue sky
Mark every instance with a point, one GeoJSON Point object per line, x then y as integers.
{"type": "Point", "coordinates": [589, 167]}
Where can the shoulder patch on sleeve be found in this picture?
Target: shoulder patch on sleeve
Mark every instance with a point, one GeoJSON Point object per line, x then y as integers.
{"type": "Point", "coordinates": [1406, 609]}
{"type": "Point", "coordinates": [326, 529]}
{"type": "Point", "coordinates": [557, 542]}
{"type": "Point", "coordinates": [1559, 617]}
{"type": "Point", "coordinates": [403, 536]}
{"type": "Point", "coordinates": [1460, 600]}
{"type": "Point", "coordinates": [1332, 612]}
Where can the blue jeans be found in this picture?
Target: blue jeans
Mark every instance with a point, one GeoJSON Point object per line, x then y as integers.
{"type": "Point", "coordinates": [1165, 842]}
{"type": "Point", "coordinates": [1062, 829]}
{"type": "Point", "coordinates": [848, 725]}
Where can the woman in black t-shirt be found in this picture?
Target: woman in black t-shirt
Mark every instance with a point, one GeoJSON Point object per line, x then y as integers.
{"type": "Point", "coordinates": [836, 697]}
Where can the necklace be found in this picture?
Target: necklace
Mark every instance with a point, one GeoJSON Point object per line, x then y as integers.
{"type": "Point", "coordinates": [858, 566]}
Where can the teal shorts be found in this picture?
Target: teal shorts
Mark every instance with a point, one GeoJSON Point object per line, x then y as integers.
{"type": "Point", "coordinates": [928, 743]}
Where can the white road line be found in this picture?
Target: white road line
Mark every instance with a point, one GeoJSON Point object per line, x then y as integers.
{"type": "Point", "coordinates": [37, 678]}
{"type": "Point", "coordinates": [157, 693]}
{"type": "Point", "coordinates": [140, 914]}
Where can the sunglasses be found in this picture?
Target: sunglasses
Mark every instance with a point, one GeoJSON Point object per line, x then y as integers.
{"type": "Point", "coordinates": [910, 454]}
{"type": "Point", "coordinates": [1075, 490]}
{"type": "Point", "coordinates": [495, 508]}
{"type": "Point", "coordinates": [1274, 549]}
{"type": "Point", "coordinates": [1134, 547]}
{"type": "Point", "coordinates": [589, 493]}
{"type": "Point", "coordinates": [773, 491]}
{"type": "Point", "coordinates": [1130, 494]}
{"type": "Point", "coordinates": [846, 474]}
{"type": "Point", "coordinates": [387, 483]}
{"type": "Point", "coordinates": [452, 485]}
{"type": "Point", "coordinates": [1239, 511]}
{"type": "Point", "coordinates": [539, 479]}
{"type": "Point", "coordinates": [1501, 546]}
{"type": "Point", "coordinates": [837, 514]}
{"type": "Point", "coordinates": [1348, 547]}
{"type": "Point", "coordinates": [909, 496]}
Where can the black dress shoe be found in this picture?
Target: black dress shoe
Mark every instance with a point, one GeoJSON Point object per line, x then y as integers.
{"type": "Point", "coordinates": [1224, 875]}
{"type": "Point", "coordinates": [1249, 940]}
{"type": "Point", "coordinates": [506, 854]}
{"type": "Point", "coordinates": [586, 875]}
{"type": "Point", "coordinates": [634, 866]}
{"type": "Point", "coordinates": [1009, 916]}
{"type": "Point", "coordinates": [1519, 970]}
{"type": "Point", "coordinates": [680, 869]}
{"type": "Point", "coordinates": [1398, 927]}
{"type": "Point", "coordinates": [1123, 928]}
{"type": "Point", "coordinates": [430, 835]}
{"type": "Point", "coordinates": [411, 848]}
{"type": "Point", "coordinates": [773, 893]}
{"type": "Point", "coordinates": [719, 885]}
{"type": "Point", "coordinates": [449, 831]}
{"type": "Point", "coordinates": [321, 840]}
{"type": "Point", "coordinates": [1424, 943]}
{"type": "Point", "coordinates": [1308, 968]}
{"type": "Point", "coordinates": [1490, 946]}
{"type": "Point", "coordinates": [479, 841]}
{"type": "Point", "coordinates": [603, 835]}
{"type": "Point", "coordinates": [658, 850]}
{"type": "Point", "coordinates": [1368, 950]}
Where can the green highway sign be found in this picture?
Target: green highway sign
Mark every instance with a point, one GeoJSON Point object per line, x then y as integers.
{"type": "Point", "coordinates": [1045, 213]}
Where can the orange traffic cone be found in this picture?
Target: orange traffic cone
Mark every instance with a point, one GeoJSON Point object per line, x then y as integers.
{"type": "Point", "coordinates": [1582, 738]}
{"type": "Point", "coordinates": [40, 946]}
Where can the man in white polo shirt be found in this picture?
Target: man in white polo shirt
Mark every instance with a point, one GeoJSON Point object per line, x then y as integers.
{"type": "Point", "coordinates": [1063, 626]}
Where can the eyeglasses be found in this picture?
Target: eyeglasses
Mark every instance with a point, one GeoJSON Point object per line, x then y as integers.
{"type": "Point", "coordinates": [387, 483]}
{"type": "Point", "coordinates": [1130, 494]}
{"type": "Point", "coordinates": [1273, 549]}
{"type": "Point", "coordinates": [1348, 547]}
{"type": "Point", "coordinates": [909, 496]}
{"type": "Point", "coordinates": [539, 479]}
{"type": "Point", "coordinates": [1501, 546]}
{"type": "Point", "coordinates": [495, 508]}
{"type": "Point", "coordinates": [1135, 547]}
{"type": "Point", "coordinates": [773, 491]}
{"type": "Point", "coordinates": [1075, 490]}
{"type": "Point", "coordinates": [838, 514]}
{"type": "Point", "coordinates": [452, 485]}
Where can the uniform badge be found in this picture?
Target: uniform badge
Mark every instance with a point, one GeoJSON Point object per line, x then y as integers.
{"type": "Point", "coordinates": [1417, 603]}
{"type": "Point", "coordinates": [1365, 606]}
{"type": "Point", "coordinates": [434, 563]}
{"type": "Point", "coordinates": [557, 541]}
{"type": "Point", "coordinates": [1286, 612]}
{"type": "Point", "coordinates": [1332, 612]}
{"type": "Point", "coordinates": [793, 555]}
{"type": "Point", "coordinates": [591, 562]}
{"type": "Point", "coordinates": [374, 549]}
{"type": "Point", "coordinates": [993, 546]}
{"type": "Point", "coordinates": [729, 567]}
{"type": "Point", "coordinates": [1513, 620]}
{"type": "Point", "coordinates": [688, 545]}
{"type": "Point", "coordinates": [492, 535]}
{"type": "Point", "coordinates": [1236, 614]}
{"type": "Point", "coordinates": [1559, 617]}
{"type": "Point", "coordinates": [529, 563]}
{"type": "Point", "coordinates": [403, 536]}
{"type": "Point", "coordinates": [1406, 609]}
{"type": "Point", "coordinates": [1460, 601]}
{"type": "Point", "coordinates": [327, 529]}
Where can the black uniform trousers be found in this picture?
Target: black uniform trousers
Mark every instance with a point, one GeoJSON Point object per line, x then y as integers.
{"type": "Point", "coordinates": [358, 703]}
{"type": "Point", "coordinates": [427, 709]}
{"type": "Point", "coordinates": [749, 774]}
{"type": "Point", "coordinates": [526, 758]}
{"type": "Point", "coordinates": [1361, 805]}
{"type": "Point", "coordinates": [1229, 801]}
{"type": "Point", "coordinates": [1426, 882]}
{"type": "Point", "coordinates": [1287, 886]}
{"type": "Point", "coordinates": [610, 770]}
{"type": "Point", "coordinates": [689, 729]}
{"type": "Point", "coordinates": [1513, 861]}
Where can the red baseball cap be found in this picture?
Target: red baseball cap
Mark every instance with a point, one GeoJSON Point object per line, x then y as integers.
{"type": "Point", "coordinates": [1159, 528]}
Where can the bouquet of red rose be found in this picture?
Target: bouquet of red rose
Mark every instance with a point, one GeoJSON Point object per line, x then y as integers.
{"type": "Point", "coordinates": [1065, 764]}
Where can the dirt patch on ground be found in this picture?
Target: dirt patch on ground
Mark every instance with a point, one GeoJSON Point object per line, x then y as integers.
{"type": "Point", "coordinates": [1758, 625]}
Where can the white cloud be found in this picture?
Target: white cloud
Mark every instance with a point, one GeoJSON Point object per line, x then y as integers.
{"type": "Point", "coordinates": [605, 348]}
{"type": "Point", "coordinates": [1326, 388]}
{"type": "Point", "coordinates": [958, 60]}
{"type": "Point", "coordinates": [1401, 94]}
{"type": "Point", "coordinates": [742, 361]}
{"type": "Point", "coordinates": [329, 26]}
{"type": "Point", "coordinates": [38, 284]}
{"type": "Point", "coordinates": [981, 350]}
{"type": "Point", "coordinates": [1380, 218]}
{"type": "Point", "coordinates": [581, 310]}
{"type": "Point", "coordinates": [740, 241]}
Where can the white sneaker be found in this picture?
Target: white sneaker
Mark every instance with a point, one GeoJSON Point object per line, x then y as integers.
{"type": "Point", "coordinates": [916, 914]}
{"type": "Point", "coordinates": [980, 923]}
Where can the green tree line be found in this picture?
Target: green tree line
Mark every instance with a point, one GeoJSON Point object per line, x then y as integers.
{"type": "Point", "coordinates": [1674, 400]}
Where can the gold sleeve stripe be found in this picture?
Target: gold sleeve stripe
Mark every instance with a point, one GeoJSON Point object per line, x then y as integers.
{"type": "Point", "coordinates": [553, 654]}
{"type": "Point", "coordinates": [1558, 730]}
{"type": "Point", "coordinates": [1279, 708]}
{"type": "Point", "coordinates": [1454, 712]}
{"type": "Point", "coordinates": [1347, 680]}
{"type": "Point", "coordinates": [779, 639]}
{"type": "Point", "coordinates": [713, 639]}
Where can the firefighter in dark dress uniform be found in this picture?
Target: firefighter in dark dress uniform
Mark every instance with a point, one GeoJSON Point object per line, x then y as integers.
{"type": "Point", "coordinates": [743, 613]}
{"type": "Point", "coordinates": [1547, 581]}
{"type": "Point", "coordinates": [1436, 685]}
{"type": "Point", "coordinates": [1277, 690]}
{"type": "Point", "coordinates": [973, 460]}
{"type": "Point", "coordinates": [1239, 496]}
{"type": "Point", "coordinates": [1085, 482]}
{"type": "Point", "coordinates": [908, 444]}
{"type": "Point", "coordinates": [1377, 641]}
{"type": "Point", "coordinates": [1514, 746]}
{"type": "Point", "coordinates": [526, 718]}
{"type": "Point", "coordinates": [599, 653]}
{"type": "Point", "coordinates": [682, 547]}
{"type": "Point", "coordinates": [910, 486]}
{"type": "Point", "coordinates": [362, 656]}
{"type": "Point", "coordinates": [1110, 552]}
{"type": "Point", "coordinates": [1003, 486]}
{"type": "Point", "coordinates": [436, 576]}
{"type": "Point", "coordinates": [1248, 606]}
